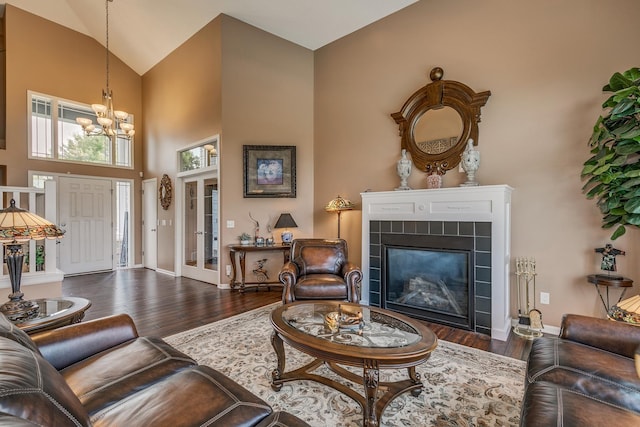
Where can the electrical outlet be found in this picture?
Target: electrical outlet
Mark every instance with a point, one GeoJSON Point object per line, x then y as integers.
{"type": "Point", "coordinates": [228, 270]}
{"type": "Point", "coordinates": [544, 297]}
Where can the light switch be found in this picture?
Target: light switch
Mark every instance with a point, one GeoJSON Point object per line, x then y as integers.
{"type": "Point", "coordinates": [231, 223]}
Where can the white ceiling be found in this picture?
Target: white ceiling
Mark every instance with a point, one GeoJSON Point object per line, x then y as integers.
{"type": "Point", "coordinates": [143, 32]}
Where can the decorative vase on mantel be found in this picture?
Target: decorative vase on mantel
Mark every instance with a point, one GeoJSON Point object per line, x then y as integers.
{"type": "Point", "coordinates": [470, 161]}
{"type": "Point", "coordinates": [434, 180]}
{"type": "Point", "coordinates": [403, 167]}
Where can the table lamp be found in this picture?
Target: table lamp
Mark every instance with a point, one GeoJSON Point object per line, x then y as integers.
{"type": "Point", "coordinates": [18, 226]}
{"type": "Point", "coordinates": [338, 205]}
{"type": "Point", "coordinates": [286, 221]}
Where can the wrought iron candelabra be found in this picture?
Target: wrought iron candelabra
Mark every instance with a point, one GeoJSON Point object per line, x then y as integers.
{"type": "Point", "coordinates": [529, 317]}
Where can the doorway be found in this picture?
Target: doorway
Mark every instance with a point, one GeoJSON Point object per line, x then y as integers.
{"type": "Point", "coordinates": [150, 223]}
{"type": "Point", "coordinates": [200, 228]}
{"type": "Point", "coordinates": [85, 212]}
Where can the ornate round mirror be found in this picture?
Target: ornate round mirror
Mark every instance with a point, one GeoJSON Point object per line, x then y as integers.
{"type": "Point", "coordinates": [437, 121]}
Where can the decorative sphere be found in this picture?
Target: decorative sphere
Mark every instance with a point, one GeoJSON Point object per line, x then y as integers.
{"type": "Point", "coordinates": [436, 74]}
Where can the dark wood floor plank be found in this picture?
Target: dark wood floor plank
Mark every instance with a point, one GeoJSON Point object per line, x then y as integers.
{"type": "Point", "coordinates": [163, 305]}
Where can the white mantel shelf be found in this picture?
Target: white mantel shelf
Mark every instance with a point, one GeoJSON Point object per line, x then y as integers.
{"type": "Point", "coordinates": [489, 203]}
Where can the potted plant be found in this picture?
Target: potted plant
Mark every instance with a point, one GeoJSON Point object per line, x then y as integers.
{"type": "Point", "coordinates": [245, 239]}
{"type": "Point", "coordinates": [613, 171]}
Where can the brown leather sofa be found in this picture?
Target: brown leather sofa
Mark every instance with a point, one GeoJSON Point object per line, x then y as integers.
{"type": "Point", "coordinates": [584, 377]}
{"type": "Point", "coordinates": [101, 373]}
{"type": "Point", "coordinates": [320, 269]}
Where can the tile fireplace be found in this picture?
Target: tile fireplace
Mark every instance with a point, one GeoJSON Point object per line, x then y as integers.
{"type": "Point", "coordinates": [440, 255]}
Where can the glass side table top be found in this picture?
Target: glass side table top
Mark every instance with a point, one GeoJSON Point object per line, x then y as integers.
{"type": "Point", "coordinates": [351, 324]}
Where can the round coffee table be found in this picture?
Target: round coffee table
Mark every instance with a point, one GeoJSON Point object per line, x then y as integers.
{"type": "Point", "coordinates": [383, 339]}
{"type": "Point", "coordinates": [56, 312]}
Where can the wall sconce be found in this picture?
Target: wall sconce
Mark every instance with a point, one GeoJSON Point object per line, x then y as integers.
{"type": "Point", "coordinates": [286, 221]}
{"type": "Point", "coordinates": [338, 205]}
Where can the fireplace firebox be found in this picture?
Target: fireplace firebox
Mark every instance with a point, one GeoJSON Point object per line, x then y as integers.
{"type": "Point", "coordinates": [429, 277]}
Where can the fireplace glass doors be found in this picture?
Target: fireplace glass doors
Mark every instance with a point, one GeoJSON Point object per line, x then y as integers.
{"type": "Point", "coordinates": [430, 278]}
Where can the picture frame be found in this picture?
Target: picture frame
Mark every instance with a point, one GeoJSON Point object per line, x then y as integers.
{"type": "Point", "coordinates": [269, 171]}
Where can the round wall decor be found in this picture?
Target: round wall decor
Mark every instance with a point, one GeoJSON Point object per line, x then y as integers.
{"type": "Point", "coordinates": [165, 191]}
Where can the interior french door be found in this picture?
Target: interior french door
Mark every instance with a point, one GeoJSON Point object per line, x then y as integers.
{"type": "Point", "coordinates": [200, 228]}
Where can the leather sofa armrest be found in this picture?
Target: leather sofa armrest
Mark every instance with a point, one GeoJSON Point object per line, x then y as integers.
{"type": "Point", "coordinates": [352, 277]}
{"type": "Point", "coordinates": [609, 335]}
{"type": "Point", "coordinates": [288, 277]}
{"type": "Point", "coordinates": [65, 346]}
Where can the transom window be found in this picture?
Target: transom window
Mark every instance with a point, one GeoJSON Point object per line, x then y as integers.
{"type": "Point", "coordinates": [54, 134]}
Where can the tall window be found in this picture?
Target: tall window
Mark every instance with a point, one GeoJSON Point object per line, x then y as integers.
{"type": "Point", "coordinates": [55, 135]}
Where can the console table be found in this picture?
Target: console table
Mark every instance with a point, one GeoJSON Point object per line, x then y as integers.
{"type": "Point", "coordinates": [262, 279]}
{"type": "Point", "coordinates": [56, 312]}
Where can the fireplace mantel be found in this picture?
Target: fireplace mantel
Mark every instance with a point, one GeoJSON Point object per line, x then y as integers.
{"type": "Point", "coordinates": [488, 204]}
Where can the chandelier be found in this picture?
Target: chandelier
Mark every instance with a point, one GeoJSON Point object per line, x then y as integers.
{"type": "Point", "coordinates": [111, 122]}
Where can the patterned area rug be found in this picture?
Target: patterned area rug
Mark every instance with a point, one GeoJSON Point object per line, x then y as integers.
{"type": "Point", "coordinates": [463, 386]}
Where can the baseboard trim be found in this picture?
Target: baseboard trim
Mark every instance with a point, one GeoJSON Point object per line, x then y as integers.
{"type": "Point", "coordinates": [167, 272]}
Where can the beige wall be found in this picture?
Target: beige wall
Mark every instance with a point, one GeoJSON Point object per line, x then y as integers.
{"type": "Point", "coordinates": [250, 87]}
{"type": "Point", "coordinates": [545, 63]}
{"type": "Point", "coordinates": [51, 59]}
{"type": "Point", "coordinates": [181, 106]}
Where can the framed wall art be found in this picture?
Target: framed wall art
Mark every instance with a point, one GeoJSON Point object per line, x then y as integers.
{"type": "Point", "coordinates": [269, 170]}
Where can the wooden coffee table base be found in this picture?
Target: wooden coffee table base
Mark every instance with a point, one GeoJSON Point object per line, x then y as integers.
{"type": "Point", "coordinates": [377, 394]}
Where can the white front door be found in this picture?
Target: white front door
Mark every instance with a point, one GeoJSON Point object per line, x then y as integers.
{"type": "Point", "coordinates": [150, 223]}
{"type": "Point", "coordinates": [85, 212]}
{"type": "Point", "coordinates": [200, 229]}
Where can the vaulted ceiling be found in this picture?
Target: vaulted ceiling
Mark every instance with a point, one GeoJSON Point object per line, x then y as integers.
{"type": "Point", "coordinates": [143, 32]}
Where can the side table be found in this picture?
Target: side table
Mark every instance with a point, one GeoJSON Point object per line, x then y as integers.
{"type": "Point", "coordinates": [56, 312]}
{"type": "Point", "coordinates": [242, 250]}
{"type": "Point", "coordinates": [607, 282]}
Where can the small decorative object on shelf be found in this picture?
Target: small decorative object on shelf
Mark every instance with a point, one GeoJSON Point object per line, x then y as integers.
{"type": "Point", "coordinates": [403, 168]}
{"type": "Point", "coordinates": [245, 239]}
{"type": "Point", "coordinates": [608, 263]}
{"type": "Point", "coordinates": [259, 241]}
{"type": "Point", "coordinates": [529, 317]}
{"type": "Point", "coordinates": [434, 180]}
{"type": "Point", "coordinates": [470, 161]}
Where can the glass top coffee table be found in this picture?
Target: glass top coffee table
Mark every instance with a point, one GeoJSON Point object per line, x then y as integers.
{"type": "Point", "coordinates": [338, 333]}
{"type": "Point", "coordinates": [56, 312]}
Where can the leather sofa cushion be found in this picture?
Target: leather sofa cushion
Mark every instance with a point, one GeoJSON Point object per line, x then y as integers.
{"type": "Point", "coordinates": [599, 374]}
{"type": "Point", "coordinates": [32, 389]}
{"type": "Point", "coordinates": [206, 395]}
{"type": "Point", "coordinates": [547, 404]}
{"type": "Point", "coordinates": [11, 331]}
{"type": "Point", "coordinates": [112, 375]}
{"type": "Point", "coordinates": [320, 286]}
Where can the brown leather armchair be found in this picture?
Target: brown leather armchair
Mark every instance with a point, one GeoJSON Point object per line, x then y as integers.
{"type": "Point", "coordinates": [319, 269]}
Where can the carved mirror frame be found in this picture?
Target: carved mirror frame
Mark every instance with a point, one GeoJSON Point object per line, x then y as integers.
{"type": "Point", "coordinates": [165, 192]}
{"type": "Point", "coordinates": [438, 94]}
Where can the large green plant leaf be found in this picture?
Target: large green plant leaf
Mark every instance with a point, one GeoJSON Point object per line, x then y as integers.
{"type": "Point", "coordinates": [633, 205]}
{"type": "Point", "coordinates": [617, 82]}
{"type": "Point", "coordinates": [619, 232]}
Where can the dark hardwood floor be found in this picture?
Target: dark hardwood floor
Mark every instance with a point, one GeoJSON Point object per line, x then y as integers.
{"type": "Point", "coordinates": [162, 305]}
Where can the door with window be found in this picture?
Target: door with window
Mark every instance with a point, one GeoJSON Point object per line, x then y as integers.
{"type": "Point", "coordinates": [85, 212]}
{"type": "Point", "coordinates": [200, 228]}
